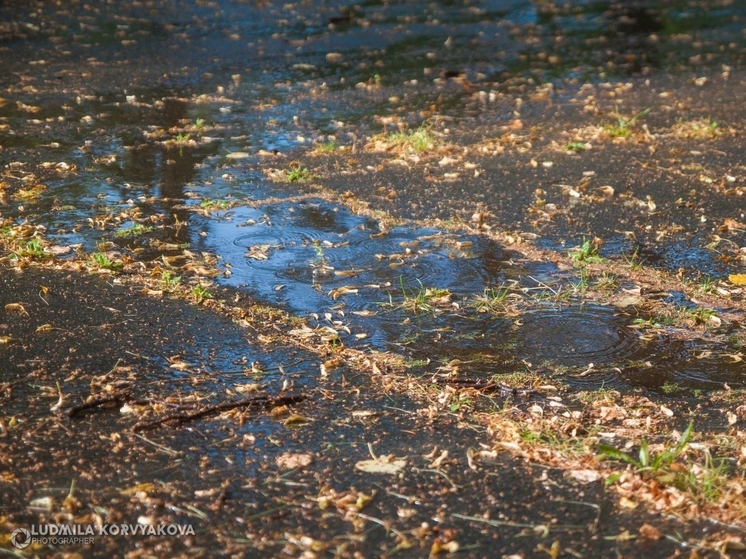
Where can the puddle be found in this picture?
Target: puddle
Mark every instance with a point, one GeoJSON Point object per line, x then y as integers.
{"type": "Point", "coordinates": [577, 336]}
{"type": "Point", "coordinates": [319, 260]}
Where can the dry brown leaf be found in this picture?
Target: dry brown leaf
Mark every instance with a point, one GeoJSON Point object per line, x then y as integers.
{"type": "Point", "coordinates": [650, 532]}
{"type": "Point", "coordinates": [293, 460]}
{"type": "Point", "coordinates": [439, 460]}
{"type": "Point", "coordinates": [584, 476]}
{"type": "Point", "coordinates": [628, 503]}
{"type": "Point", "coordinates": [16, 308]}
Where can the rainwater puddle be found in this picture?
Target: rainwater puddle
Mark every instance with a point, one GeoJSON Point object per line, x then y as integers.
{"type": "Point", "coordinates": [381, 290]}
{"type": "Point", "coordinates": [318, 259]}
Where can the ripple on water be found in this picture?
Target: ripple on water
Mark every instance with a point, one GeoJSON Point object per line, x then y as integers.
{"type": "Point", "coordinates": [577, 337]}
{"type": "Point", "coordinates": [283, 243]}
{"type": "Point", "coordinates": [671, 366]}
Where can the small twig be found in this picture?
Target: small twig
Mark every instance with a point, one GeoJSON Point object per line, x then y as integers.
{"type": "Point", "coordinates": [399, 409]}
{"type": "Point", "coordinates": [543, 285]}
{"type": "Point", "coordinates": [485, 385]}
{"type": "Point", "coordinates": [222, 496]}
{"type": "Point", "coordinates": [541, 528]}
{"type": "Point", "coordinates": [158, 446]}
{"type": "Point", "coordinates": [588, 371]}
{"type": "Point", "coordinates": [439, 472]}
{"type": "Point", "coordinates": [264, 513]}
{"type": "Point", "coordinates": [263, 401]}
{"type": "Point", "coordinates": [8, 385]}
{"type": "Point", "coordinates": [386, 525]}
{"type": "Point", "coordinates": [60, 425]}
{"type": "Point", "coordinates": [97, 401]}
{"type": "Point", "coordinates": [174, 405]}
{"type": "Point", "coordinates": [140, 356]}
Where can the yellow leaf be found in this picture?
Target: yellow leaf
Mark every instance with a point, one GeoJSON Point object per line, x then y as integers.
{"type": "Point", "coordinates": [140, 487]}
{"type": "Point", "coordinates": [737, 279]}
{"type": "Point", "coordinates": [296, 419]}
{"type": "Point", "coordinates": [15, 307]}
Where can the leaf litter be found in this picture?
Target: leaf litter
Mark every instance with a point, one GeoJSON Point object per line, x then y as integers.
{"type": "Point", "coordinates": [543, 430]}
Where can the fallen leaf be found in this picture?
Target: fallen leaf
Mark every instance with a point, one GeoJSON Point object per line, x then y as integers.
{"type": "Point", "coordinates": [606, 190]}
{"type": "Point", "coordinates": [629, 301]}
{"type": "Point", "coordinates": [439, 460]}
{"type": "Point", "coordinates": [729, 223]}
{"type": "Point", "coordinates": [650, 532]}
{"type": "Point", "coordinates": [296, 419]}
{"type": "Point", "coordinates": [42, 503]}
{"type": "Point", "coordinates": [386, 464]}
{"type": "Point", "coordinates": [628, 503]}
{"type": "Point", "coordinates": [737, 279]}
{"type": "Point", "coordinates": [584, 476]}
{"type": "Point", "coordinates": [237, 155]}
{"type": "Point", "coordinates": [437, 547]}
{"type": "Point", "coordinates": [15, 307]}
{"type": "Point", "coordinates": [140, 487]}
{"type": "Point", "coordinates": [734, 542]}
{"type": "Point", "coordinates": [293, 460]}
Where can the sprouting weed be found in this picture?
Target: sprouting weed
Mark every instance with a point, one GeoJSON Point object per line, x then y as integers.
{"type": "Point", "coordinates": [134, 231]}
{"type": "Point", "coordinates": [587, 253]}
{"type": "Point", "coordinates": [419, 140]}
{"type": "Point", "coordinates": [607, 282]}
{"type": "Point", "coordinates": [623, 126]}
{"type": "Point", "coordinates": [492, 300]}
{"type": "Point", "coordinates": [32, 249]}
{"type": "Point", "coordinates": [424, 299]}
{"type": "Point", "coordinates": [297, 173]}
{"type": "Point", "coordinates": [169, 280]}
{"type": "Point", "coordinates": [647, 461]}
{"type": "Point", "coordinates": [327, 147]}
{"type": "Point", "coordinates": [199, 294]}
{"type": "Point", "coordinates": [215, 204]}
{"type": "Point", "coordinates": [632, 261]}
{"type": "Point", "coordinates": [101, 261]}
{"type": "Point", "coordinates": [700, 314]}
{"type": "Point", "coordinates": [576, 147]}
{"type": "Point", "coordinates": [707, 285]}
